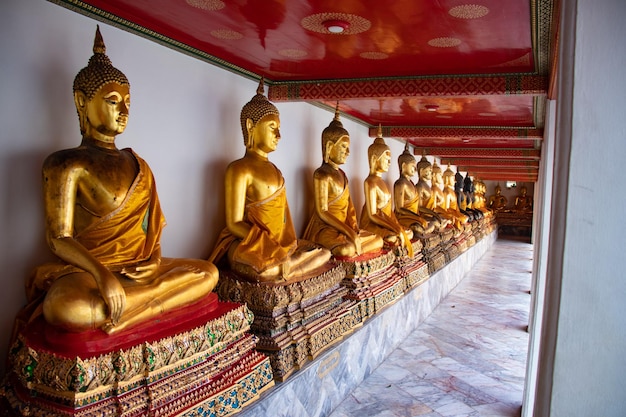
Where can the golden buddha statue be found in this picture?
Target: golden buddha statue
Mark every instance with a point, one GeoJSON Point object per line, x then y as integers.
{"type": "Point", "coordinates": [449, 202]}
{"type": "Point", "coordinates": [377, 215]}
{"type": "Point", "coordinates": [438, 197]}
{"type": "Point", "coordinates": [479, 198]}
{"type": "Point", "coordinates": [259, 239]}
{"type": "Point", "coordinates": [497, 201]}
{"type": "Point", "coordinates": [334, 223]}
{"type": "Point", "coordinates": [104, 223]}
{"type": "Point", "coordinates": [470, 197]}
{"type": "Point", "coordinates": [523, 202]}
{"type": "Point", "coordinates": [427, 200]}
{"type": "Point", "coordinates": [406, 199]}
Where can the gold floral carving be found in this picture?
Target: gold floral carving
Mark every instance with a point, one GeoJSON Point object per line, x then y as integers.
{"type": "Point", "coordinates": [210, 5]}
{"type": "Point", "coordinates": [356, 24]}
{"type": "Point", "coordinates": [468, 11]}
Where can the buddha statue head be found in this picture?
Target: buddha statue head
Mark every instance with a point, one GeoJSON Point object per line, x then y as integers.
{"type": "Point", "coordinates": [468, 186]}
{"type": "Point", "coordinates": [379, 154]}
{"type": "Point", "coordinates": [437, 174]}
{"type": "Point", "coordinates": [90, 80]}
{"type": "Point", "coordinates": [424, 169]}
{"type": "Point", "coordinates": [407, 162]}
{"type": "Point", "coordinates": [253, 111]}
{"type": "Point", "coordinates": [448, 177]}
{"type": "Point", "coordinates": [333, 134]}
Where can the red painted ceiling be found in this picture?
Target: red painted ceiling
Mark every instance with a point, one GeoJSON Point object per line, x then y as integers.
{"type": "Point", "coordinates": [450, 76]}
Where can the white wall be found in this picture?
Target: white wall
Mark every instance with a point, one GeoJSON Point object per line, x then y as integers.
{"type": "Point", "coordinates": [583, 350]}
{"type": "Point", "coordinates": [184, 121]}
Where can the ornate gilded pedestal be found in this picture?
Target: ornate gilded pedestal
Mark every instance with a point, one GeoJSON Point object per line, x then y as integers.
{"type": "Point", "coordinates": [294, 320]}
{"type": "Point", "coordinates": [413, 270]}
{"type": "Point", "coordinates": [373, 281]}
{"type": "Point", "coordinates": [196, 361]}
{"type": "Point", "coordinates": [432, 252]}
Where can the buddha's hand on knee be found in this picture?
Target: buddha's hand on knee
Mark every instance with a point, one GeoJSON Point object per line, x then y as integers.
{"type": "Point", "coordinates": [113, 294]}
{"type": "Point", "coordinates": [143, 270]}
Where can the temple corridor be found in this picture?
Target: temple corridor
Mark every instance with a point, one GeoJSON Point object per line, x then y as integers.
{"type": "Point", "coordinates": [468, 358]}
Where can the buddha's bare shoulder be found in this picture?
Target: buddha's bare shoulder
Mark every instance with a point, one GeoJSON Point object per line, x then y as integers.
{"type": "Point", "coordinates": [326, 172]}
{"type": "Point", "coordinates": [67, 159]}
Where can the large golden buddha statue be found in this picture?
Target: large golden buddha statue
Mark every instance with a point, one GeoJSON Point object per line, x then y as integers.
{"type": "Point", "coordinates": [259, 238]}
{"type": "Point", "coordinates": [523, 202]}
{"type": "Point", "coordinates": [334, 222]}
{"type": "Point", "coordinates": [445, 197]}
{"type": "Point", "coordinates": [406, 198]}
{"type": "Point", "coordinates": [377, 215]}
{"type": "Point", "coordinates": [497, 201]}
{"type": "Point", "coordinates": [438, 198]}
{"type": "Point", "coordinates": [427, 200]}
{"type": "Point", "coordinates": [104, 222]}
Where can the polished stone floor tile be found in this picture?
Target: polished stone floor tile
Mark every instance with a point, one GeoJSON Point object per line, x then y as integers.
{"type": "Point", "coordinates": [468, 358]}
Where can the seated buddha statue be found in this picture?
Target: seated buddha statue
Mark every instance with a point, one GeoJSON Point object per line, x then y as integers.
{"type": "Point", "coordinates": [442, 194]}
{"type": "Point", "coordinates": [523, 202]}
{"type": "Point", "coordinates": [334, 223]}
{"type": "Point", "coordinates": [438, 198]}
{"type": "Point", "coordinates": [406, 199]}
{"type": "Point", "coordinates": [104, 222]}
{"type": "Point", "coordinates": [481, 201]}
{"type": "Point", "coordinates": [259, 239]}
{"type": "Point", "coordinates": [427, 202]}
{"type": "Point", "coordinates": [450, 202]}
{"type": "Point", "coordinates": [497, 201]}
{"type": "Point", "coordinates": [377, 215]}
{"type": "Point", "coordinates": [470, 197]}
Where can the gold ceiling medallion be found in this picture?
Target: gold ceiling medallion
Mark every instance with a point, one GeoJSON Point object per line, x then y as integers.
{"type": "Point", "coordinates": [444, 42]}
{"type": "Point", "coordinates": [373, 55]}
{"type": "Point", "coordinates": [293, 53]}
{"type": "Point", "coordinates": [209, 5]}
{"type": "Point", "coordinates": [355, 24]}
{"type": "Point", "coordinates": [226, 34]}
{"type": "Point", "coordinates": [468, 11]}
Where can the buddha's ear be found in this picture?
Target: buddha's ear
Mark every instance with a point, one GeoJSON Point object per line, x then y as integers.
{"type": "Point", "coordinates": [249, 124]}
{"type": "Point", "coordinates": [329, 147]}
{"type": "Point", "coordinates": [80, 100]}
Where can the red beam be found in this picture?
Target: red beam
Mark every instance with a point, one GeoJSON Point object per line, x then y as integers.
{"type": "Point", "coordinates": [482, 153]}
{"type": "Point", "coordinates": [510, 84]}
{"type": "Point", "coordinates": [458, 132]}
{"type": "Point", "coordinates": [489, 162]}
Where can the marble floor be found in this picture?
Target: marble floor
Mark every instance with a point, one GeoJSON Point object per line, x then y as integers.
{"type": "Point", "coordinates": [468, 358]}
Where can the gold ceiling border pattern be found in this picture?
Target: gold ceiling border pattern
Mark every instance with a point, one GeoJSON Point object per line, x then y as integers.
{"type": "Point", "coordinates": [84, 9]}
{"type": "Point", "coordinates": [541, 15]}
{"type": "Point", "coordinates": [529, 133]}
{"type": "Point", "coordinates": [501, 84]}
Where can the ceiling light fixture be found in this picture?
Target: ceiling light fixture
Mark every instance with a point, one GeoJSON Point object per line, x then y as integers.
{"type": "Point", "coordinates": [431, 107]}
{"type": "Point", "coordinates": [336, 25]}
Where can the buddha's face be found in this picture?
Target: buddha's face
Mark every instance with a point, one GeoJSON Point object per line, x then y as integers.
{"type": "Point", "coordinates": [340, 150]}
{"type": "Point", "coordinates": [426, 173]}
{"type": "Point", "coordinates": [384, 161]}
{"type": "Point", "coordinates": [409, 168]}
{"type": "Point", "coordinates": [107, 111]}
{"type": "Point", "coordinates": [448, 180]}
{"type": "Point", "coordinates": [266, 133]}
{"type": "Point", "coordinates": [437, 177]}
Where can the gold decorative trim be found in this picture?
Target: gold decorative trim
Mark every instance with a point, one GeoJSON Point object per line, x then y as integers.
{"type": "Point", "coordinates": [209, 5]}
{"type": "Point", "coordinates": [293, 53]}
{"type": "Point", "coordinates": [226, 34]}
{"type": "Point", "coordinates": [357, 24]}
{"type": "Point", "coordinates": [468, 11]}
{"type": "Point", "coordinates": [373, 55]}
{"type": "Point", "coordinates": [444, 42]}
